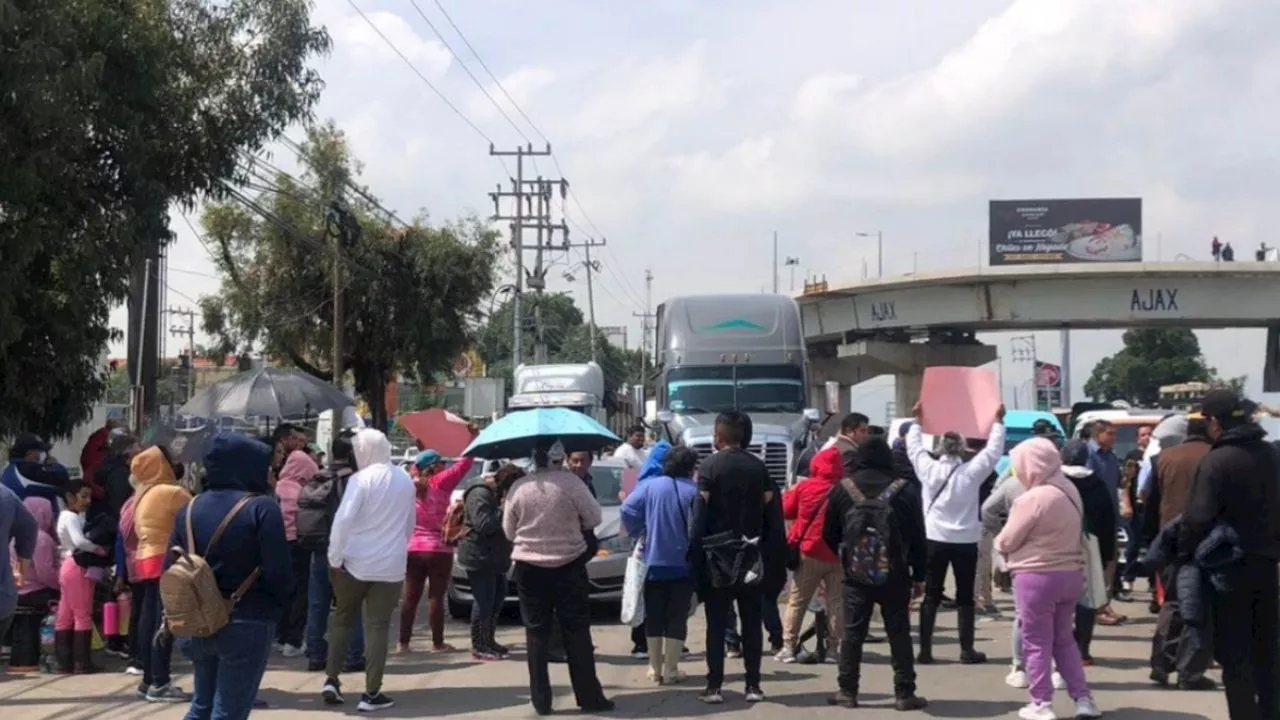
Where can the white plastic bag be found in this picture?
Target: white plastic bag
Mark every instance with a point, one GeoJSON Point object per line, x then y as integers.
{"type": "Point", "coordinates": [1095, 582]}
{"type": "Point", "coordinates": [633, 588]}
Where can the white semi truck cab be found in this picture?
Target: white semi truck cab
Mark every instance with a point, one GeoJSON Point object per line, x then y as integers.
{"type": "Point", "coordinates": [577, 386]}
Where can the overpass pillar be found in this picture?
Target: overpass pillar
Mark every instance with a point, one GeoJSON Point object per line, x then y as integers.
{"type": "Point", "coordinates": [906, 392]}
{"type": "Point", "coordinates": [907, 363]}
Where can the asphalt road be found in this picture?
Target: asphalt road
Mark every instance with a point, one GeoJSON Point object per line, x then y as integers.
{"type": "Point", "coordinates": [454, 686]}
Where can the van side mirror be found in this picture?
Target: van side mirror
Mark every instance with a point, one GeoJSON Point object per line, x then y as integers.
{"type": "Point", "coordinates": [811, 414]}
{"type": "Point", "coordinates": [665, 416]}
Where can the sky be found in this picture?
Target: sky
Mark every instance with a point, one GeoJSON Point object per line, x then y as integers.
{"type": "Point", "coordinates": [692, 130]}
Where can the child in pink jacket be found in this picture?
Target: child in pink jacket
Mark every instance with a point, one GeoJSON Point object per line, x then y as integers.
{"type": "Point", "coordinates": [298, 470]}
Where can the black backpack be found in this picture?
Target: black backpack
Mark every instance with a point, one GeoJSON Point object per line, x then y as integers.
{"type": "Point", "coordinates": [870, 541]}
{"type": "Point", "coordinates": [317, 505]}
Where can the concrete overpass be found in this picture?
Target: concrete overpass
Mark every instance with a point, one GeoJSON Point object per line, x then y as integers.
{"type": "Point", "coordinates": [901, 325]}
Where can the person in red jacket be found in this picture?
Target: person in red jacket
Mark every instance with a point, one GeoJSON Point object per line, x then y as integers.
{"type": "Point", "coordinates": [93, 455]}
{"type": "Point", "coordinates": [805, 506]}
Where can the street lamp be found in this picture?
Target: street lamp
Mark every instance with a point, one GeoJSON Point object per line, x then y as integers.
{"type": "Point", "coordinates": [792, 262]}
{"type": "Point", "coordinates": [879, 236]}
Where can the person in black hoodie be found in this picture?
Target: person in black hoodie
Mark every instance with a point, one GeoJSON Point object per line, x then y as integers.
{"type": "Point", "coordinates": [842, 530]}
{"type": "Point", "coordinates": [1099, 521]}
{"type": "Point", "coordinates": [1236, 490]}
{"type": "Point", "coordinates": [230, 664]}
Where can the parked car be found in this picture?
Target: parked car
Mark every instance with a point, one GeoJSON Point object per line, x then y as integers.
{"type": "Point", "coordinates": [604, 572]}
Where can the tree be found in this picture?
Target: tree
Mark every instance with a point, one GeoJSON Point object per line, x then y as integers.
{"type": "Point", "coordinates": [412, 296]}
{"type": "Point", "coordinates": [113, 112]}
{"type": "Point", "coordinates": [568, 339]}
{"type": "Point", "coordinates": [1150, 358]}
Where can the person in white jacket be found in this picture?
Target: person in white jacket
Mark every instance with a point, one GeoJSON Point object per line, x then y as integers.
{"type": "Point", "coordinates": [368, 554]}
{"type": "Point", "coordinates": [950, 485]}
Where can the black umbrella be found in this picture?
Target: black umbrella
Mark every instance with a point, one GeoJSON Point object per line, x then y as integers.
{"type": "Point", "coordinates": [267, 392]}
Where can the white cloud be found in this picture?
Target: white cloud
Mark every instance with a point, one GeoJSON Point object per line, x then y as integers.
{"type": "Point", "coordinates": [521, 86]}
{"type": "Point", "coordinates": [353, 34]}
{"type": "Point", "coordinates": [690, 135]}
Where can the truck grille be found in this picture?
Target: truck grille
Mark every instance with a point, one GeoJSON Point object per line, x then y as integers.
{"type": "Point", "coordinates": [776, 457]}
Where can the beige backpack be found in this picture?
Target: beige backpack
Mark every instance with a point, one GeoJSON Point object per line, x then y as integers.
{"type": "Point", "coordinates": [193, 603]}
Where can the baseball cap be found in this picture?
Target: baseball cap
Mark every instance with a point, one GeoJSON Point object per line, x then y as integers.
{"type": "Point", "coordinates": [1224, 404]}
{"type": "Point", "coordinates": [28, 442]}
{"type": "Point", "coordinates": [426, 459]}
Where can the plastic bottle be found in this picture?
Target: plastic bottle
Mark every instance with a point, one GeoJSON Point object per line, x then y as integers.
{"type": "Point", "coordinates": [47, 651]}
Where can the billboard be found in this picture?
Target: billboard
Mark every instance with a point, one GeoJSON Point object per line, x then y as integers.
{"type": "Point", "coordinates": [1023, 232]}
{"type": "Point", "coordinates": [1048, 385]}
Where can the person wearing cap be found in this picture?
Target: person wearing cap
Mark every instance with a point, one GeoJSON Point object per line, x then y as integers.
{"type": "Point", "coordinates": [1236, 491]}
{"type": "Point", "coordinates": [113, 474]}
{"type": "Point", "coordinates": [33, 473]}
{"type": "Point", "coordinates": [430, 562]}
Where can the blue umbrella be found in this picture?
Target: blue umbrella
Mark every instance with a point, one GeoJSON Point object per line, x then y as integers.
{"type": "Point", "coordinates": [516, 434]}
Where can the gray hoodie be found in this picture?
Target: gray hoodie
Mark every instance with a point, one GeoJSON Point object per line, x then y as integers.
{"type": "Point", "coordinates": [996, 509]}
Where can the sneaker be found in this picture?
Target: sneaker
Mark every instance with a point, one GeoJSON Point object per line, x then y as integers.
{"type": "Point", "coordinates": [142, 690]}
{"type": "Point", "coordinates": [733, 650]}
{"type": "Point", "coordinates": [1037, 711]}
{"type": "Point", "coordinates": [785, 655]}
{"type": "Point", "coordinates": [1059, 683]}
{"type": "Point", "coordinates": [1199, 683]}
{"type": "Point", "coordinates": [1086, 708]}
{"type": "Point", "coordinates": [711, 696]}
{"type": "Point", "coordinates": [487, 655]}
{"type": "Point", "coordinates": [118, 653]}
{"type": "Point", "coordinates": [754, 694]}
{"type": "Point", "coordinates": [639, 654]}
{"type": "Point", "coordinates": [169, 693]}
{"type": "Point", "coordinates": [374, 702]}
{"type": "Point", "coordinates": [132, 670]}
{"type": "Point", "coordinates": [292, 651]}
{"type": "Point", "coordinates": [1017, 678]}
{"type": "Point", "coordinates": [332, 692]}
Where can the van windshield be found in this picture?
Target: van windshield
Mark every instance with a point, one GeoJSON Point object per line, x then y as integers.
{"type": "Point", "coordinates": [749, 388]}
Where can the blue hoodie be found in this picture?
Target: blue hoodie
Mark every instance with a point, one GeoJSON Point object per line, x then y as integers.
{"type": "Point", "coordinates": [235, 466]}
{"type": "Point", "coordinates": [653, 464]}
{"type": "Point", "coordinates": [659, 512]}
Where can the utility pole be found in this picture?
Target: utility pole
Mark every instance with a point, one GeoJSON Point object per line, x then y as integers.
{"type": "Point", "coordinates": [345, 229]}
{"type": "Point", "coordinates": [645, 317]}
{"type": "Point", "coordinates": [190, 331]}
{"type": "Point", "coordinates": [517, 225]}
{"type": "Point", "coordinates": [774, 271]}
{"type": "Point", "coordinates": [591, 267]}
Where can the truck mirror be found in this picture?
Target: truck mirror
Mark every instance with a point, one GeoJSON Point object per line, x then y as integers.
{"type": "Point", "coordinates": [811, 414]}
{"type": "Point", "coordinates": [832, 393]}
{"type": "Point", "coordinates": [665, 416]}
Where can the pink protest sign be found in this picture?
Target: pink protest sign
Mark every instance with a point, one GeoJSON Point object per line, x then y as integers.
{"type": "Point", "coordinates": [958, 399]}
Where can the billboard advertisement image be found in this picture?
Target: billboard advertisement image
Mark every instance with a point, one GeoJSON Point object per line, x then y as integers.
{"type": "Point", "coordinates": [1025, 232]}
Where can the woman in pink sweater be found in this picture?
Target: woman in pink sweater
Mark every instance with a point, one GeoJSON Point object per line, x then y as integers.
{"type": "Point", "coordinates": [1042, 545]}
{"type": "Point", "coordinates": [38, 588]}
{"type": "Point", "coordinates": [430, 563]}
{"type": "Point", "coordinates": [298, 470]}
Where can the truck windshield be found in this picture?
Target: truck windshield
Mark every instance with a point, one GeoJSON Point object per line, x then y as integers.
{"type": "Point", "coordinates": [750, 388]}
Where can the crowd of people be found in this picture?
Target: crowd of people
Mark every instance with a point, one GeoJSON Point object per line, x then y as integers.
{"type": "Point", "coordinates": [315, 558]}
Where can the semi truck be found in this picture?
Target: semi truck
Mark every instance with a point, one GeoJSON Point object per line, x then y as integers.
{"type": "Point", "coordinates": [735, 352]}
{"type": "Point", "coordinates": [577, 386]}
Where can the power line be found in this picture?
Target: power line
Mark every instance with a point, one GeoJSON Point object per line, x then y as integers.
{"type": "Point", "coordinates": [467, 70]}
{"type": "Point", "coordinates": [421, 76]}
{"type": "Point", "coordinates": [595, 233]}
